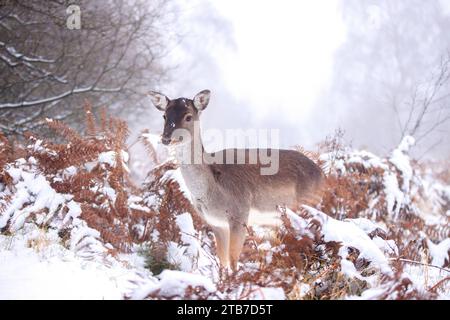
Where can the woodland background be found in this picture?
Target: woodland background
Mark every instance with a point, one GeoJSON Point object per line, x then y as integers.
{"type": "Point", "coordinates": [86, 190]}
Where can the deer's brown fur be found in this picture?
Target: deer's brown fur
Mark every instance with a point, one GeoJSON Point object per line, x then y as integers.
{"type": "Point", "coordinates": [224, 194]}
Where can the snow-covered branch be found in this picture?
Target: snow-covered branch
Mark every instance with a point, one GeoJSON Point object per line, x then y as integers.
{"type": "Point", "coordinates": [57, 97]}
{"type": "Point", "coordinates": [42, 62]}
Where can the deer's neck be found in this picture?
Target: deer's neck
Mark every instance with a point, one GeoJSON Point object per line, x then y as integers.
{"type": "Point", "coordinates": [196, 173]}
{"type": "Point", "coordinates": [191, 152]}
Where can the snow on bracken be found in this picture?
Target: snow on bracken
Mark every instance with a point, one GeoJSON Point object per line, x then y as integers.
{"type": "Point", "coordinates": [349, 234]}
{"type": "Point", "coordinates": [392, 244]}
{"type": "Point", "coordinates": [439, 252]}
{"type": "Point", "coordinates": [31, 187]}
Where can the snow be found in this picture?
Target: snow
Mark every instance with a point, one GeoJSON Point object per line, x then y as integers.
{"type": "Point", "coordinates": [70, 171]}
{"type": "Point", "coordinates": [268, 293]}
{"type": "Point", "coordinates": [401, 161]}
{"type": "Point", "coordinates": [11, 50]}
{"type": "Point", "coordinates": [299, 224]}
{"type": "Point", "coordinates": [406, 144]}
{"type": "Point", "coordinates": [110, 192]}
{"type": "Point", "coordinates": [162, 152]}
{"type": "Point", "coordinates": [29, 186]}
{"type": "Point", "coordinates": [153, 139]}
{"type": "Point", "coordinates": [138, 207]}
{"type": "Point", "coordinates": [24, 276]}
{"type": "Point", "coordinates": [394, 197]}
{"type": "Point", "coordinates": [422, 277]}
{"type": "Point", "coordinates": [350, 235]}
{"type": "Point", "coordinates": [36, 263]}
{"type": "Point", "coordinates": [56, 97]}
{"type": "Point", "coordinates": [83, 233]}
{"type": "Point", "coordinates": [73, 213]}
{"type": "Point", "coordinates": [186, 225]}
{"type": "Point", "coordinates": [425, 277]}
{"type": "Point", "coordinates": [386, 246]}
{"type": "Point", "coordinates": [175, 175]}
{"type": "Point", "coordinates": [366, 225]}
{"type": "Point", "coordinates": [33, 265]}
{"type": "Point", "coordinates": [109, 157]}
{"type": "Point", "coordinates": [434, 192]}
{"type": "Point", "coordinates": [191, 255]}
{"type": "Point", "coordinates": [174, 283]}
{"type": "Point", "coordinates": [439, 252]}
{"type": "Point", "coordinates": [337, 160]}
{"type": "Point", "coordinates": [367, 159]}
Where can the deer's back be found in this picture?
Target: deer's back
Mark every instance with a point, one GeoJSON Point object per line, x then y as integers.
{"type": "Point", "coordinates": [296, 179]}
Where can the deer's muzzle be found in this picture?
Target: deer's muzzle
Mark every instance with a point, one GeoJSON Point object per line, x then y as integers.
{"type": "Point", "coordinates": [165, 140]}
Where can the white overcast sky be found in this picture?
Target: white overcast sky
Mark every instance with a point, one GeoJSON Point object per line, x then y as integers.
{"type": "Point", "coordinates": [266, 62]}
{"type": "Point", "coordinates": [269, 65]}
{"type": "Point", "coordinates": [284, 52]}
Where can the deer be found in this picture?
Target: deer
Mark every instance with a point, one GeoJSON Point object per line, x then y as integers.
{"type": "Point", "coordinates": [225, 192]}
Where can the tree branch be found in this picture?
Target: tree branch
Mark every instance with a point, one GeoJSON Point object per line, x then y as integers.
{"type": "Point", "coordinates": [58, 97]}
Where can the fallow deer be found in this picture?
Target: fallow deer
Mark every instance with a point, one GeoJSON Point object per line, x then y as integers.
{"type": "Point", "coordinates": [224, 193]}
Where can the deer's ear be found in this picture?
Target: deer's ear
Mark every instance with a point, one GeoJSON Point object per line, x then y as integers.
{"type": "Point", "coordinates": [159, 100]}
{"type": "Point", "coordinates": [201, 100]}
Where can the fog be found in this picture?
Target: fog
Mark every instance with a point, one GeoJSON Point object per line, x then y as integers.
{"type": "Point", "coordinates": [310, 67]}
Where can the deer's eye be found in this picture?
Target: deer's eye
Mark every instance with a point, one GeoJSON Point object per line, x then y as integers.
{"type": "Point", "coordinates": [164, 116]}
{"type": "Point", "coordinates": [188, 118]}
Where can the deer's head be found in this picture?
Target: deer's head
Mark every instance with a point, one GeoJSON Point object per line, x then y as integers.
{"type": "Point", "coordinates": [179, 114]}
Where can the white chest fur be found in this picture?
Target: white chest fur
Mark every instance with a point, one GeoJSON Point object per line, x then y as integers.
{"type": "Point", "coordinates": [197, 179]}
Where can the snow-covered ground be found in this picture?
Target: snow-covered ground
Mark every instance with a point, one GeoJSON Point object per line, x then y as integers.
{"type": "Point", "coordinates": [34, 265]}
{"type": "Point", "coordinates": [48, 249]}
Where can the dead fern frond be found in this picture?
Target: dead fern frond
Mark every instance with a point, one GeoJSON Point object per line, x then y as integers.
{"type": "Point", "coordinates": [91, 128]}
{"type": "Point", "coordinates": [149, 146]}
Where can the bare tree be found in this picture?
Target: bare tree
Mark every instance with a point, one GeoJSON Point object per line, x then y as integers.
{"type": "Point", "coordinates": [391, 47]}
{"type": "Point", "coordinates": [47, 69]}
{"type": "Point", "coordinates": [428, 109]}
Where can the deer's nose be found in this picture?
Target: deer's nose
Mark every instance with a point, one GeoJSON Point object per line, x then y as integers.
{"type": "Point", "coordinates": [165, 140]}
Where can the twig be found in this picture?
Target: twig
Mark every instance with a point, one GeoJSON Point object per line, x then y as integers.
{"type": "Point", "coordinates": [429, 149]}
{"type": "Point", "coordinates": [433, 288]}
{"type": "Point", "coordinates": [421, 263]}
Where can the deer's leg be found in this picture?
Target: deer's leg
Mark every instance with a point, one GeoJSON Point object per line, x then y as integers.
{"type": "Point", "coordinates": [222, 235]}
{"type": "Point", "coordinates": [238, 233]}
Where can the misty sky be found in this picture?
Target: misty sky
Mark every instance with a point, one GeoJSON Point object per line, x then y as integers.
{"type": "Point", "coordinates": [279, 64]}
